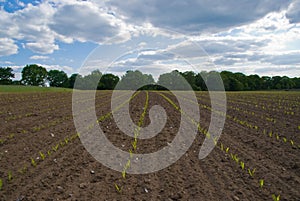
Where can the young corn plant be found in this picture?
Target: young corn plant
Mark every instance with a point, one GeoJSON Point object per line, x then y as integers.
{"type": "Point", "coordinates": [33, 163]}
{"type": "Point", "coordinates": [284, 139]}
{"type": "Point", "coordinates": [10, 177]}
{"type": "Point", "coordinates": [42, 155]}
{"type": "Point", "coordinates": [275, 197]}
{"type": "Point", "coordinates": [55, 147]}
{"type": "Point", "coordinates": [118, 188]}
{"type": "Point", "coordinates": [251, 172]}
{"type": "Point", "coordinates": [242, 164]}
{"type": "Point", "coordinates": [261, 183]}
{"type": "Point", "coordinates": [1, 184]}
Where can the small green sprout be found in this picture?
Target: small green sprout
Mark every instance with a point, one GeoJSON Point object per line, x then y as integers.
{"type": "Point", "coordinates": [227, 149]}
{"type": "Point", "coordinates": [284, 139]}
{"type": "Point", "coordinates": [10, 177]}
{"type": "Point", "coordinates": [292, 142]}
{"type": "Point", "coordinates": [124, 173]}
{"type": "Point", "coordinates": [119, 189]}
{"type": "Point", "coordinates": [261, 183]}
{"type": "Point", "coordinates": [222, 147]}
{"type": "Point", "coordinates": [42, 155]}
{"type": "Point", "coordinates": [242, 165]}
{"type": "Point", "coordinates": [33, 163]}
{"type": "Point", "coordinates": [275, 198]}
{"type": "Point", "coordinates": [270, 134]}
{"type": "Point", "coordinates": [55, 147]}
{"type": "Point", "coordinates": [130, 153]}
{"type": "Point", "coordinates": [251, 172]}
{"type": "Point", "coordinates": [1, 184]}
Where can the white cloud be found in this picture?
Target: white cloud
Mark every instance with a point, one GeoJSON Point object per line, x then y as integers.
{"type": "Point", "coordinates": [85, 21]}
{"type": "Point", "coordinates": [7, 47]}
{"type": "Point", "coordinates": [293, 12]}
{"type": "Point", "coordinates": [38, 57]}
{"type": "Point", "coordinates": [192, 16]}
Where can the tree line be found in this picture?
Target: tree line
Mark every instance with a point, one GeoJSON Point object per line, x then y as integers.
{"type": "Point", "coordinates": [36, 75]}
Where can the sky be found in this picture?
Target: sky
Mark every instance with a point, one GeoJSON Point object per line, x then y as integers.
{"type": "Point", "coordinates": [155, 36]}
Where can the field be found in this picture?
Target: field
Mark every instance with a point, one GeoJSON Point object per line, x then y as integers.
{"type": "Point", "coordinates": [256, 158]}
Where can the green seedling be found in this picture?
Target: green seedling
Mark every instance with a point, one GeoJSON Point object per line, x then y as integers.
{"type": "Point", "coordinates": [277, 137]}
{"type": "Point", "coordinates": [251, 173]}
{"type": "Point", "coordinates": [10, 176]}
{"type": "Point", "coordinates": [270, 134]}
{"type": "Point", "coordinates": [66, 140]}
{"type": "Point", "coordinates": [42, 155]}
{"type": "Point", "coordinates": [119, 189]}
{"type": "Point", "coordinates": [130, 153]}
{"type": "Point", "coordinates": [261, 183]}
{"type": "Point", "coordinates": [124, 174]}
{"type": "Point", "coordinates": [49, 153]}
{"type": "Point", "coordinates": [299, 127]}
{"type": "Point", "coordinates": [292, 142]}
{"type": "Point", "coordinates": [11, 136]}
{"type": "Point", "coordinates": [1, 184]}
{"type": "Point", "coordinates": [227, 149]}
{"type": "Point", "coordinates": [242, 165]}
{"type": "Point", "coordinates": [222, 147]}
{"type": "Point", "coordinates": [235, 158]}
{"type": "Point", "coordinates": [284, 139]}
{"type": "Point", "coordinates": [23, 170]}
{"type": "Point", "coordinates": [1, 141]}
{"type": "Point", "coordinates": [275, 198]}
{"type": "Point", "coordinates": [215, 141]}
{"type": "Point", "coordinates": [134, 144]}
{"type": "Point", "coordinates": [33, 163]}
{"type": "Point", "coordinates": [55, 147]}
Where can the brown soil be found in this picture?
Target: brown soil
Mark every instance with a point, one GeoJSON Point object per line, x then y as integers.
{"type": "Point", "coordinates": [71, 173]}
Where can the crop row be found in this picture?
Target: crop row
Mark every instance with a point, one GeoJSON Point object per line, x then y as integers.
{"type": "Point", "coordinates": [34, 161]}
{"type": "Point", "coordinates": [134, 143]}
{"type": "Point", "coordinates": [225, 149]}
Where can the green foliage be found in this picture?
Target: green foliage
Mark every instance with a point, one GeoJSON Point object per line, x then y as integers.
{"type": "Point", "coordinates": [6, 75]}
{"type": "Point", "coordinates": [1, 184]}
{"type": "Point", "coordinates": [108, 82]}
{"type": "Point", "coordinates": [135, 80]}
{"type": "Point", "coordinates": [34, 75]}
{"type": "Point", "coordinates": [57, 78]}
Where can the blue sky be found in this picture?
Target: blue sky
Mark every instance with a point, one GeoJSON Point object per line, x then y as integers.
{"type": "Point", "coordinates": [250, 36]}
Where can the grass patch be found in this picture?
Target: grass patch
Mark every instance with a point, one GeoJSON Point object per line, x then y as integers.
{"type": "Point", "coordinates": [22, 89]}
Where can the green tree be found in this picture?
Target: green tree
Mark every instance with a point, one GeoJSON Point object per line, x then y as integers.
{"type": "Point", "coordinates": [135, 80]}
{"type": "Point", "coordinates": [90, 81]}
{"type": "Point", "coordinates": [200, 80]}
{"type": "Point", "coordinates": [6, 75]}
{"type": "Point", "coordinates": [34, 75]}
{"type": "Point", "coordinates": [255, 82]}
{"type": "Point", "coordinates": [108, 82]}
{"type": "Point", "coordinates": [190, 77]}
{"type": "Point", "coordinates": [214, 81]}
{"type": "Point", "coordinates": [57, 78]}
{"type": "Point", "coordinates": [173, 81]}
{"type": "Point", "coordinates": [72, 79]}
